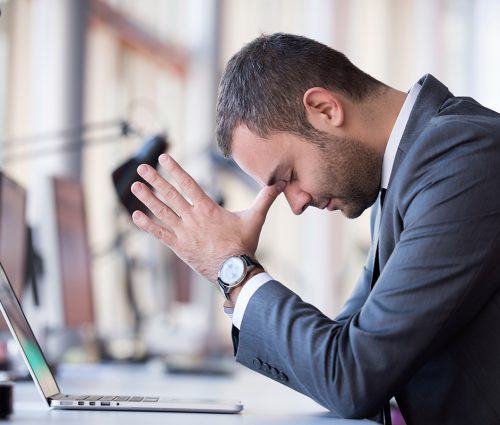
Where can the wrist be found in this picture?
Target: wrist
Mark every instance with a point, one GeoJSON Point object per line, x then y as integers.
{"type": "Point", "coordinates": [234, 272]}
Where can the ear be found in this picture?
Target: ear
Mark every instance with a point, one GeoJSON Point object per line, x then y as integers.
{"type": "Point", "coordinates": [324, 108]}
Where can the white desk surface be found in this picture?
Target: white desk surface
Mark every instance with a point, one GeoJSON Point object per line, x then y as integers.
{"type": "Point", "coordinates": [265, 401]}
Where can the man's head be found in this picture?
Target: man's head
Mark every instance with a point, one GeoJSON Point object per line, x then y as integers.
{"type": "Point", "coordinates": [288, 104]}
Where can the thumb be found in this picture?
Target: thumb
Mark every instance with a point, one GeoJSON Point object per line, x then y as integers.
{"type": "Point", "coordinates": [265, 199]}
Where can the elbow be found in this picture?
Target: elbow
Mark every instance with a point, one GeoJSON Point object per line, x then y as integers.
{"type": "Point", "coordinates": [353, 408]}
{"type": "Point", "coordinates": [356, 412]}
{"type": "Point", "coordinates": [353, 412]}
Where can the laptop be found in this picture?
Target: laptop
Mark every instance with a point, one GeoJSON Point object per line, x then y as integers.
{"type": "Point", "coordinates": [49, 390]}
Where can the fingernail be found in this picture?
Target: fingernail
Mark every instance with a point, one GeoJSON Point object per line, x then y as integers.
{"type": "Point", "coordinates": [136, 216]}
{"type": "Point", "coordinates": [136, 187]}
{"type": "Point", "coordinates": [142, 169]}
{"type": "Point", "coordinates": [163, 158]}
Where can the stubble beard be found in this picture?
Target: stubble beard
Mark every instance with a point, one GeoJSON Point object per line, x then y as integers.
{"type": "Point", "coordinates": [351, 173]}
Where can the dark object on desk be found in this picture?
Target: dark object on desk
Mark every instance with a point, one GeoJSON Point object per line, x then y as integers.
{"type": "Point", "coordinates": [6, 399]}
{"type": "Point", "coordinates": [126, 174]}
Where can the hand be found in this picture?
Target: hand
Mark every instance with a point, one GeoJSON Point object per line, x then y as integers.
{"type": "Point", "coordinates": [200, 232]}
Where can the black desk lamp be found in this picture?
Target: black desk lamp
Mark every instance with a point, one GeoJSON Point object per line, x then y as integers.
{"type": "Point", "coordinates": [21, 149]}
{"type": "Point", "coordinates": [126, 174]}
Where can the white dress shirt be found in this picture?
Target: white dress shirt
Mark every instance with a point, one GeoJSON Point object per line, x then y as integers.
{"type": "Point", "coordinates": [255, 282]}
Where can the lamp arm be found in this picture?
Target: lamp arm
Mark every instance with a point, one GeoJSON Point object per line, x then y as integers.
{"type": "Point", "coordinates": [72, 145]}
{"type": "Point", "coordinates": [16, 142]}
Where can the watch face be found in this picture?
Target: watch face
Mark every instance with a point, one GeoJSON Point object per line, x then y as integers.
{"type": "Point", "coordinates": [232, 270]}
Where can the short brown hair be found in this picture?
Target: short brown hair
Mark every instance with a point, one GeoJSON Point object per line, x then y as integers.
{"type": "Point", "coordinates": [264, 83]}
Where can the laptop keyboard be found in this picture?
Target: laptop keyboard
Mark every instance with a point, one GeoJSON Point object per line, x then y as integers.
{"type": "Point", "coordinates": [105, 398]}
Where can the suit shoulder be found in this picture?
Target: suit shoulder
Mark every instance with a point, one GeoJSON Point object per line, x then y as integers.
{"type": "Point", "coordinates": [459, 112]}
{"type": "Point", "coordinates": [461, 123]}
{"type": "Point", "coordinates": [458, 147]}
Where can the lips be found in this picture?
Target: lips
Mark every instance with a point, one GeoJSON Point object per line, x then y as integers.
{"type": "Point", "coordinates": [324, 205]}
{"type": "Point", "coordinates": [330, 206]}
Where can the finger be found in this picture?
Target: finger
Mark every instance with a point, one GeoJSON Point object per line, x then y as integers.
{"type": "Point", "coordinates": [265, 199]}
{"type": "Point", "coordinates": [183, 179]}
{"type": "Point", "coordinates": [168, 192]}
{"type": "Point", "coordinates": [157, 207]}
{"type": "Point", "coordinates": [161, 233]}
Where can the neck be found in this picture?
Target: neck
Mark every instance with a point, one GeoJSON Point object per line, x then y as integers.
{"type": "Point", "coordinates": [375, 117]}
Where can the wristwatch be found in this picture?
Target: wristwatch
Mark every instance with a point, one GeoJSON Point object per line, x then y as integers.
{"type": "Point", "coordinates": [233, 272]}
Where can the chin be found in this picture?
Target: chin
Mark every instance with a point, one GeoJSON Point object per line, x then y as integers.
{"type": "Point", "coordinates": [352, 211]}
{"type": "Point", "coordinates": [351, 214]}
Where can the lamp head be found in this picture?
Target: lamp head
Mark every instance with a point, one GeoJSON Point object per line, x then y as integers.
{"type": "Point", "coordinates": [126, 174]}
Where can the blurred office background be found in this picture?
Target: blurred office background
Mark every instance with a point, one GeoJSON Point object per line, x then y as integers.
{"type": "Point", "coordinates": [83, 84]}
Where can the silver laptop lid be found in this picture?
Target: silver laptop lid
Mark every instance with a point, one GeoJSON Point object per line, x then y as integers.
{"type": "Point", "coordinates": [22, 333]}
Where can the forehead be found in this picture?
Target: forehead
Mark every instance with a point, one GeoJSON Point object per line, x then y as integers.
{"type": "Point", "coordinates": [259, 157]}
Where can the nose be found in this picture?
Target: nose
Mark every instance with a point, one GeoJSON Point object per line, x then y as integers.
{"type": "Point", "coordinates": [297, 199]}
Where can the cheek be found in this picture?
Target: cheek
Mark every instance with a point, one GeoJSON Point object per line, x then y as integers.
{"type": "Point", "coordinates": [327, 181]}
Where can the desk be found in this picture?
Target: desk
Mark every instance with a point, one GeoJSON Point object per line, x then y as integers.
{"type": "Point", "coordinates": [265, 402]}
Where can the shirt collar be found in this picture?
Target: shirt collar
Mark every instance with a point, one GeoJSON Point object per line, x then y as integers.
{"type": "Point", "coordinates": [396, 134]}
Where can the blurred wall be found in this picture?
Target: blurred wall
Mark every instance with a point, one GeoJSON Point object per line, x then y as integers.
{"type": "Point", "coordinates": [171, 86]}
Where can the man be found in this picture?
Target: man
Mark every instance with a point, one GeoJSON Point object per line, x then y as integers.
{"type": "Point", "coordinates": [422, 324]}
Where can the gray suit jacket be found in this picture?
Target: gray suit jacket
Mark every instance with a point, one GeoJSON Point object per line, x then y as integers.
{"type": "Point", "coordinates": [428, 333]}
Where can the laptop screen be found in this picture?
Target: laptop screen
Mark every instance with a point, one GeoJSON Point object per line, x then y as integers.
{"type": "Point", "coordinates": [22, 332]}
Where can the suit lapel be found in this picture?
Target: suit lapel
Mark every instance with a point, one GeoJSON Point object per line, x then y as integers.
{"type": "Point", "coordinates": [429, 101]}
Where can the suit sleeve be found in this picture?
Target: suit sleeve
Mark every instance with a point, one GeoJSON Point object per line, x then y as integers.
{"type": "Point", "coordinates": [443, 269]}
{"type": "Point", "coordinates": [363, 285]}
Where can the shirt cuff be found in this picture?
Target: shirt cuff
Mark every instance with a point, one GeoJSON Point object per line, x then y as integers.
{"type": "Point", "coordinates": [247, 291]}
